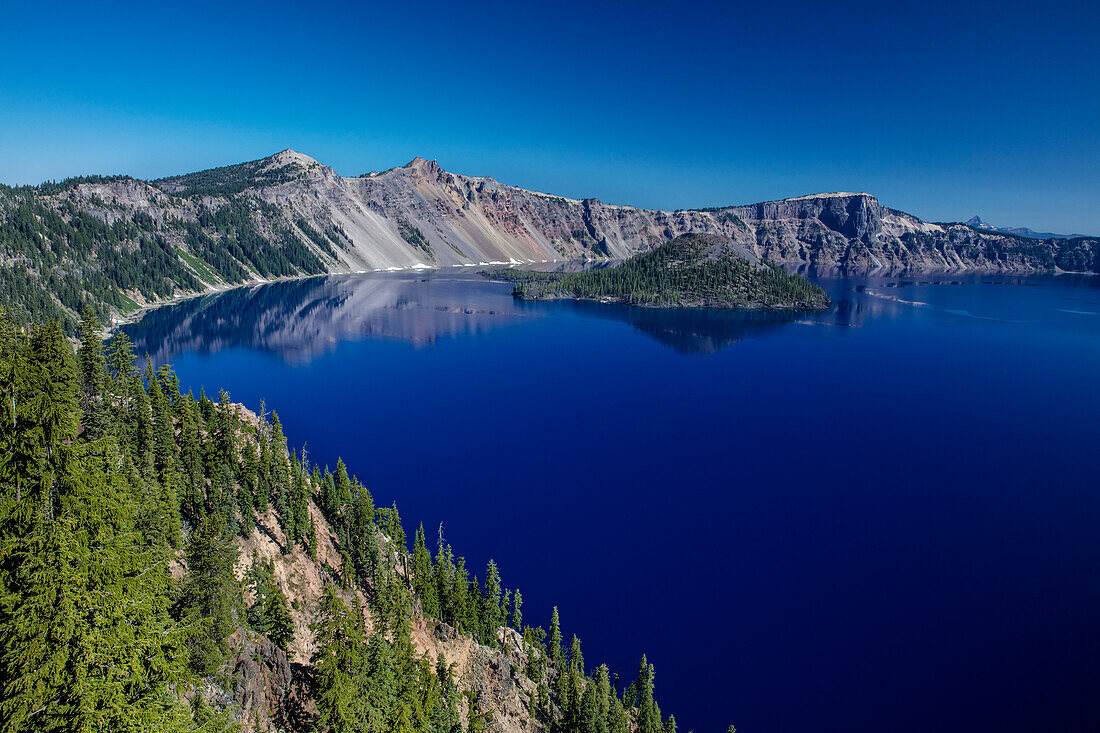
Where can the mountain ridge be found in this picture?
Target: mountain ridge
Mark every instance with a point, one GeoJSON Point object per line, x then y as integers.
{"type": "Point", "coordinates": [977, 223]}
{"type": "Point", "coordinates": [118, 243]}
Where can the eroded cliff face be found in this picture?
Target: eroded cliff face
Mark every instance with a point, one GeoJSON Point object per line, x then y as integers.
{"type": "Point", "coordinates": [268, 689]}
{"type": "Point", "coordinates": [420, 215]}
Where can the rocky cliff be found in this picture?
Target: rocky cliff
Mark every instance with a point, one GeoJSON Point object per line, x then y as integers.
{"type": "Point", "coordinates": [267, 688]}
{"type": "Point", "coordinates": [289, 215]}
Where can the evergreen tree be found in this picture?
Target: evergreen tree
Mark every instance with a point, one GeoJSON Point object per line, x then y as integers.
{"type": "Point", "coordinates": [269, 613]}
{"type": "Point", "coordinates": [517, 612]}
{"type": "Point", "coordinates": [93, 377]}
{"type": "Point", "coordinates": [340, 654]}
{"type": "Point", "coordinates": [423, 578]}
{"type": "Point", "coordinates": [478, 719]}
{"type": "Point", "coordinates": [649, 716]}
{"type": "Point", "coordinates": [54, 401]}
{"type": "Point", "coordinates": [492, 616]}
{"type": "Point", "coordinates": [342, 486]}
{"type": "Point", "coordinates": [279, 472]}
{"type": "Point", "coordinates": [163, 427]}
{"type": "Point", "coordinates": [330, 505]}
{"type": "Point", "coordinates": [389, 521]}
{"type": "Point", "coordinates": [210, 592]}
{"type": "Point", "coordinates": [556, 652]}
{"type": "Point", "coordinates": [465, 614]}
{"type": "Point", "coordinates": [445, 717]}
{"type": "Point", "coordinates": [601, 687]}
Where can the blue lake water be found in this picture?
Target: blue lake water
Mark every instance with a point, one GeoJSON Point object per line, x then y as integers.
{"type": "Point", "coordinates": [883, 517]}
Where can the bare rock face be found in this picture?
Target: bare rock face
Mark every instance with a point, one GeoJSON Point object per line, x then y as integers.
{"type": "Point", "coordinates": [465, 220]}
{"type": "Point", "coordinates": [268, 692]}
{"type": "Point", "coordinates": [422, 216]}
{"type": "Point", "coordinates": [494, 673]}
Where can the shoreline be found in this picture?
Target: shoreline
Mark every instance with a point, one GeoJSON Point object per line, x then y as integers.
{"type": "Point", "coordinates": [139, 313]}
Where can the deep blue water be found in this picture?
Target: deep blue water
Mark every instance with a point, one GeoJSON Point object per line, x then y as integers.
{"type": "Point", "coordinates": [884, 517]}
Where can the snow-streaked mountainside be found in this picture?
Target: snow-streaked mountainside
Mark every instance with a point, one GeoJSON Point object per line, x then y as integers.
{"type": "Point", "coordinates": [289, 215]}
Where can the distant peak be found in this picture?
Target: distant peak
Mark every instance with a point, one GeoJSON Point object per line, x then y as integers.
{"type": "Point", "coordinates": [419, 163]}
{"type": "Point", "coordinates": [975, 221]}
{"type": "Point", "coordinates": [288, 156]}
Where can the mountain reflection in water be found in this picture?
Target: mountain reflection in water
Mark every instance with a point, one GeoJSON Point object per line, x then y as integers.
{"type": "Point", "coordinates": [300, 320]}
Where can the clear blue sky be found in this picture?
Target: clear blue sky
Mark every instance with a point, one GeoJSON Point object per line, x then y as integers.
{"type": "Point", "coordinates": [942, 109]}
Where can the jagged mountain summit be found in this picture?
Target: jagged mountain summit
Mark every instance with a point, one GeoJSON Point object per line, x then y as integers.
{"type": "Point", "coordinates": [116, 243]}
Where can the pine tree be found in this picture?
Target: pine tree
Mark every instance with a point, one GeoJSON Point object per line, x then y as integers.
{"type": "Point", "coordinates": [269, 613]}
{"type": "Point", "coordinates": [362, 534]}
{"type": "Point", "coordinates": [93, 377]}
{"type": "Point", "coordinates": [83, 597]}
{"type": "Point", "coordinates": [343, 486]}
{"type": "Point", "coordinates": [649, 716]}
{"type": "Point", "coordinates": [444, 578]}
{"type": "Point", "coordinates": [329, 503]}
{"type": "Point", "coordinates": [343, 706]}
{"type": "Point", "coordinates": [54, 401]}
{"type": "Point", "coordinates": [163, 428]}
{"type": "Point", "coordinates": [601, 686]}
{"type": "Point", "coordinates": [279, 474]}
{"type": "Point", "coordinates": [445, 717]}
{"type": "Point", "coordinates": [517, 612]}
{"type": "Point", "coordinates": [556, 652]}
{"type": "Point", "coordinates": [390, 524]}
{"type": "Point", "coordinates": [423, 578]}
{"type": "Point", "coordinates": [491, 613]}
{"type": "Point", "coordinates": [210, 591]}
{"type": "Point", "coordinates": [478, 719]}
{"type": "Point", "coordinates": [264, 473]}
{"type": "Point", "coordinates": [464, 609]}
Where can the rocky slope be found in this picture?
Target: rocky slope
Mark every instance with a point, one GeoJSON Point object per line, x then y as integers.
{"type": "Point", "coordinates": [289, 215]}
{"type": "Point", "coordinates": [268, 689]}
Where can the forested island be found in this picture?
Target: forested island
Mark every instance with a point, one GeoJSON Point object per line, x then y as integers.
{"type": "Point", "coordinates": [116, 244]}
{"type": "Point", "coordinates": [167, 563]}
{"type": "Point", "coordinates": [690, 271]}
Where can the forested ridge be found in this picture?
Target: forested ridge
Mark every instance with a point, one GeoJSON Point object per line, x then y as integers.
{"type": "Point", "coordinates": [115, 243]}
{"type": "Point", "coordinates": [695, 270]}
{"type": "Point", "coordinates": [61, 253]}
{"type": "Point", "coordinates": [125, 594]}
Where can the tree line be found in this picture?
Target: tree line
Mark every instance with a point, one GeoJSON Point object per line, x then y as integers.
{"type": "Point", "coordinates": [110, 476]}
{"type": "Point", "coordinates": [689, 270]}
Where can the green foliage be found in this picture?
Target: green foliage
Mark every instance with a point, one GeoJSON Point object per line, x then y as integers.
{"type": "Point", "coordinates": [100, 636]}
{"type": "Point", "coordinates": [692, 270]}
{"type": "Point", "coordinates": [61, 257]}
{"type": "Point", "coordinates": [60, 260]}
{"type": "Point", "coordinates": [211, 595]}
{"type": "Point", "coordinates": [423, 578]}
{"type": "Point", "coordinates": [227, 180]}
{"type": "Point", "coordinates": [269, 613]}
{"type": "Point", "coordinates": [235, 225]}
{"type": "Point", "coordinates": [411, 234]}
{"type": "Point", "coordinates": [377, 683]}
{"type": "Point", "coordinates": [84, 595]}
{"type": "Point", "coordinates": [315, 236]}
{"type": "Point", "coordinates": [50, 188]}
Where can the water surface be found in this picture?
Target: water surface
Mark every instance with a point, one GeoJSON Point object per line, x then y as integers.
{"type": "Point", "coordinates": [882, 517]}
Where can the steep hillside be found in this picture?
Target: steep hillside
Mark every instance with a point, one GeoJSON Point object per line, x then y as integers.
{"type": "Point", "coordinates": [116, 243]}
{"type": "Point", "coordinates": [168, 564]}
